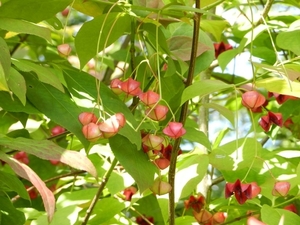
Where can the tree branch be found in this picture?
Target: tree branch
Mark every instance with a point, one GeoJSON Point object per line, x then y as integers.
{"type": "Point", "coordinates": [100, 190]}
{"type": "Point", "coordinates": [183, 115]}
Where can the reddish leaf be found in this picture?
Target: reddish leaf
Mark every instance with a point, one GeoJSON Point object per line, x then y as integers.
{"type": "Point", "coordinates": [48, 150]}
{"type": "Point", "coordinates": [27, 173]}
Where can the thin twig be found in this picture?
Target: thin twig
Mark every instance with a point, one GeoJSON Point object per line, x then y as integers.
{"type": "Point", "coordinates": [99, 192]}
{"type": "Point", "coordinates": [52, 179]}
{"type": "Point", "coordinates": [183, 115]}
{"type": "Point", "coordinates": [265, 12]}
{"type": "Point", "coordinates": [22, 39]}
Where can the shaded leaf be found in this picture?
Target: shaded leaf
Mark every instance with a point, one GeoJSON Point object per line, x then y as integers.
{"type": "Point", "coordinates": [13, 104]}
{"type": "Point", "coordinates": [46, 75]}
{"type": "Point", "coordinates": [225, 57]}
{"type": "Point", "coordinates": [25, 172]}
{"type": "Point", "coordinates": [17, 85]}
{"type": "Point", "coordinates": [20, 26]}
{"type": "Point", "coordinates": [55, 105]}
{"type": "Point", "coordinates": [288, 40]}
{"type": "Point", "coordinates": [180, 47]}
{"type": "Point", "coordinates": [48, 150]}
{"type": "Point", "coordinates": [105, 209]}
{"type": "Point", "coordinates": [12, 183]}
{"type": "Point", "coordinates": [202, 88]}
{"type": "Point", "coordinates": [4, 65]}
{"type": "Point", "coordinates": [9, 214]}
{"type": "Point", "coordinates": [91, 8]}
{"type": "Point", "coordinates": [134, 161]}
{"type": "Point", "coordinates": [93, 37]}
{"type": "Point", "coordinates": [32, 10]}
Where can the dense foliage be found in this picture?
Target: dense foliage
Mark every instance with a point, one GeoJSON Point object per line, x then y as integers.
{"type": "Point", "coordinates": [149, 112]}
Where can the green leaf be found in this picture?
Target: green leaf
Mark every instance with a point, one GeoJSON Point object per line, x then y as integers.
{"type": "Point", "coordinates": [270, 215]}
{"type": "Point", "coordinates": [17, 85]}
{"type": "Point", "coordinates": [235, 155]}
{"type": "Point", "coordinates": [75, 197]}
{"type": "Point", "coordinates": [95, 35]}
{"type": "Point", "coordinates": [32, 10]}
{"type": "Point", "coordinates": [228, 114]}
{"type": "Point", "coordinates": [13, 104]}
{"type": "Point", "coordinates": [91, 8]}
{"type": "Point", "coordinates": [195, 135]}
{"type": "Point", "coordinates": [46, 75]}
{"type": "Point", "coordinates": [291, 71]}
{"type": "Point", "coordinates": [134, 161]}
{"type": "Point", "coordinates": [21, 26]}
{"type": "Point", "coordinates": [50, 151]}
{"type": "Point", "coordinates": [225, 57]}
{"type": "Point", "coordinates": [215, 27]}
{"type": "Point", "coordinates": [4, 65]}
{"type": "Point", "coordinates": [183, 220]}
{"type": "Point", "coordinates": [288, 40]}
{"type": "Point", "coordinates": [9, 214]}
{"type": "Point", "coordinates": [202, 88]}
{"type": "Point", "coordinates": [55, 105]}
{"type": "Point", "coordinates": [25, 172]}
{"type": "Point", "coordinates": [13, 183]}
{"type": "Point", "coordinates": [180, 47]}
{"type": "Point", "coordinates": [190, 171]}
{"type": "Point", "coordinates": [280, 85]}
{"type": "Point", "coordinates": [105, 209]}
{"type": "Point", "coordinates": [80, 82]}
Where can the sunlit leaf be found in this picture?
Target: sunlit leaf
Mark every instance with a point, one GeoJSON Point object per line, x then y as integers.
{"type": "Point", "coordinates": [4, 65]}
{"type": "Point", "coordinates": [228, 114]}
{"type": "Point", "coordinates": [190, 171]}
{"type": "Point", "coordinates": [80, 82]}
{"type": "Point", "coordinates": [93, 37]}
{"type": "Point", "coordinates": [280, 85]}
{"type": "Point", "coordinates": [17, 85]}
{"type": "Point", "coordinates": [215, 27]}
{"type": "Point", "coordinates": [25, 172]}
{"type": "Point", "coordinates": [195, 135]}
{"type": "Point", "coordinates": [270, 215]}
{"type": "Point", "coordinates": [202, 88]}
{"type": "Point", "coordinates": [50, 151]}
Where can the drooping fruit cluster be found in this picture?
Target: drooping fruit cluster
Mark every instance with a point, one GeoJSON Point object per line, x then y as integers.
{"type": "Point", "coordinates": [201, 214]}
{"type": "Point", "coordinates": [93, 129]}
{"type": "Point", "coordinates": [155, 144]}
{"type": "Point", "coordinates": [129, 192]}
{"type": "Point", "coordinates": [241, 191]}
{"type": "Point", "coordinates": [221, 47]}
{"type": "Point", "coordinates": [22, 157]}
{"type": "Point", "coordinates": [141, 220]}
{"type": "Point", "coordinates": [257, 103]}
